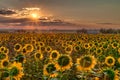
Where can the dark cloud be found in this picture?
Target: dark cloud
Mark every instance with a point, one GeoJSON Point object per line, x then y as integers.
{"type": "Point", "coordinates": [7, 12]}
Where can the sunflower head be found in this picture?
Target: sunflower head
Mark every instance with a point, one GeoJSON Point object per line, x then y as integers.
{"type": "Point", "coordinates": [50, 70]}
{"type": "Point", "coordinates": [38, 56]}
{"type": "Point", "coordinates": [4, 63]}
{"type": "Point", "coordinates": [68, 49]}
{"type": "Point", "coordinates": [17, 47]}
{"type": "Point", "coordinates": [29, 47]}
{"type": "Point", "coordinates": [54, 54]}
{"type": "Point", "coordinates": [3, 56]}
{"type": "Point", "coordinates": [109, 61]}
{"type": "Point", "coordinates": [16, 70]}
{"type": "Point", "coordinates": [64, 62]}
{"type": "Point", "coordinates": [5, 74]}
{"type": "Point", "coordinates": [86, 63]}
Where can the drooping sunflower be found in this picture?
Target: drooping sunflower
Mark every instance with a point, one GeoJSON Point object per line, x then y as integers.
{"type": "Point", "coordinates": [54, 55]}
{"type": "Point", "coordinates": [16, 70]}
{"type": "Point", "coordinates": [64, 62]}
{"type": "Point", "coordinates": [20, 58]}
{"type": "Point", "coordinates": [29, 47]}
{"type": "Point", "coordinates": [50, 70]}
{"type": "Point", "coordinates": [38, 56]}
{"type": "Point", "coordinates": [17, 47]}
{"type": "Point", "coordinates": [69, 49]}
{"type": "Point", "coordinates": [86, 63]}
{"type": "Point", "coordinates": [110, 61]}
{"type": "Point", "coordinates": [4, 63]}
{"type": "Point", "coordinates": [5, 75]}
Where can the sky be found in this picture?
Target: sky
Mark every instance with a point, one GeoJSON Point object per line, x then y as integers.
{"type": "Point", "coordinates": [75, 11]}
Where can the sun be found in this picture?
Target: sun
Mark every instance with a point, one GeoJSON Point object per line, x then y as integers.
{"type": "Point", "coordinates": [34, 16]}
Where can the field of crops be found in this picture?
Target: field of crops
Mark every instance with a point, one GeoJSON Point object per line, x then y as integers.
{"type": "Point", "coordinates": [58, 56]}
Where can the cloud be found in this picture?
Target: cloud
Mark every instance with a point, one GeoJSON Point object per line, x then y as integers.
{"type": "Point", "coordinates": [7, 12]}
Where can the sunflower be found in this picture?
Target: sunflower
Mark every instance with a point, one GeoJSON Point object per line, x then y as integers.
{"type": "Point", "coordinates": [54, 54]}
{"type": "Point", "coordinates": [109, 61]}
{"type": "Point", "coordinates": [4, 63]}
{"type": "Point", "coordinates": [12, 78]}
{"type": "Point", "coordinates": [77, 48]}
{"type": "Point", "coordinates": [16, 70]}
{"type": "Point", "coordinates": [2, 48]}
{"type": "Point", "coordinates": [20, 58]}
{"type": "Point", "coordinates": [116, 77]}
{"type": "Point", "coordinates": [119, 50]}
{"type": "Point", "coordinates": [17, 47]}
{"type": "Point", "coordinates": [86, 63]}
{"type": "Point", "coordinates": [64, 62]}
{"type": "Point", "coordinates": [24, 51]}
{"type": "Point", "coordinates": [119, 60]}
{"type": "Point", "coordinates": [98, 50]}
{"type": "Point", "coordinates": [38, 56]}
{"type": "Point", "coordinates": [48, 49]}
{"type": "Point", "coordinates": [96, 78]}
{"type": "Point", "coordinates": [29, 47]}
{"type": "Point", "coordinates": [86, 46]}
{"type": "Point", "coordinates": [6, 51]}
{"type": "Point", "coordinates": [41, 44]}
{"type": "Point", "coordinates": [5, 75]}
{"type": "Point", "coordinates": [50, 70]}
{"type": "Point", "coordinates": [69, 49]}
{"type": "Point", "coordinates": [115, 45]}
{"type": "Point", "coordinates": [3, 56]}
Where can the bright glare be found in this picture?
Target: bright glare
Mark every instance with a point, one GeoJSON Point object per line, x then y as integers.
{"type": "Point", "coordinates": [34, 15]}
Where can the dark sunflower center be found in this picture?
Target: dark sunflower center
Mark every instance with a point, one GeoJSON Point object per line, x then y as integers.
{"type": "Point", "coordinates": [50, 68]}
{"type": "Point", "coordinates": [77, 48]}
{"type": "Point", "coordinates": [110, 61]}
{"type": "Point", "coordinates": [38, 55]}
{"type": "Point", "coordinates": [42, 48]}
{"type": "Point", "coordinates": [98, 51]}
{"type": "Point", "coordinates": [54, 55]}
{"type": "Point", "coordinates": [17, 47]}
{"type": "Point", "coordinates": [2, 56]}
{"type": "Point", "coordinates": [24, 50]}
{"type": "Point", "coordinates": [29, 47]}
{"type": "Point", "coordinates": [68, 49]}
{"type": "Point", "coordinates": [5, 74]}
{"type": "Point", "coordinates": [86, 45]}
{"type": "Point", "coordinates": [2, 49]}
{"type": "Point", "coordinates": [5, 63]}
{"type": "Point", "coordinates": [14, 71]}
{"type": "Point", "coordinates": [48, 49]}
{"type": "Point", "coordinates": [115, 44]}
{"type": "Point", "coordinates": [86, 61]}
{"type": "Point", "coordinates": [63, 61]}
{"type": "Point", "coordinates": [41, 44]}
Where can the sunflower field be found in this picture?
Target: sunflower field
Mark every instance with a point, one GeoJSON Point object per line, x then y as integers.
{"type": "Point", "coordinates": [59, 56]}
